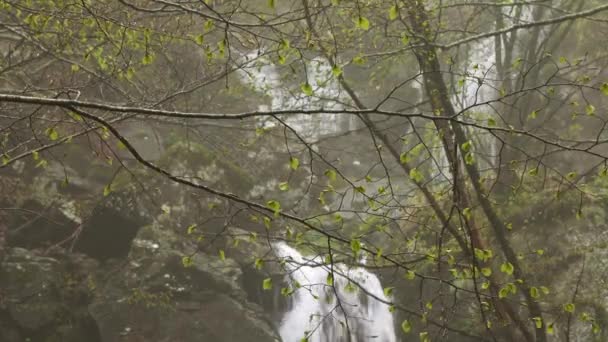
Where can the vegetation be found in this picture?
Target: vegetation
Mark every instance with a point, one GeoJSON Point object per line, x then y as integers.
{"type": "Point", "coordinates": [456, 148]}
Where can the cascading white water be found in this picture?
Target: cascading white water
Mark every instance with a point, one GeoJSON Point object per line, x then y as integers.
{"type": "Point", "coordinates": [317, 310]}
{"type": "Point", "coordinates": [265, 77]}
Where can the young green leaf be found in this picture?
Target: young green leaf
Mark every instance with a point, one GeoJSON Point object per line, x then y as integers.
{"type": "Point", "coordinates": [187, 261]}
{"type": "Point", "coordinates": [406, 326]}
{"type": "Point", "coordinates": [52, 133]}
{"type": "Point", "coordinates": [336, 71]}
{"type": "Point", "coordinates": [393, 12]}
{"type": "Point", "coordinates": [604, 88]}
{"type": "Point", "coordinates": [507, 268]}
{"type": "Point", "coordinates": [570, 307]}
{"type": "Point", "coordinates": [330, 279]}
{"type": "Point", "coordinates": [355, 245]}
{"type": "Point", "coordinates": [191, 228]}
{"type": "Point", "coordinates": [294, 163]}
{"type": "Point", "coordinates": [416, 175]}
{"type": "Point", "coordinates": [363, 23]}
{"type": "Point", "coordinates": [267, 284]}
{"type": "Point", "coordinates": [534, 293]}
{"type": "Point", "coordinates": [306, 89]}
{"type": "Point", "coordinates": [283, 186]}
{"type": "Point", "coordinates": [331, 174]}
{"type": "Point", "coordinates": [107, 190]}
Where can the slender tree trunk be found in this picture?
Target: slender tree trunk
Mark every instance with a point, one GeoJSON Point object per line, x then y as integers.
{"type": "Point", "coordinates": [453, 136]}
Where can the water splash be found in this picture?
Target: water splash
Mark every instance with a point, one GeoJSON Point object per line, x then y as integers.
{"type": "Point", "coordinates": [317, 309]}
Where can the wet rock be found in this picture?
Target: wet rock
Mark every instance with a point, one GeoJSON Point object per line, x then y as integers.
{"type": "Point", "coordinates": [42, 300]}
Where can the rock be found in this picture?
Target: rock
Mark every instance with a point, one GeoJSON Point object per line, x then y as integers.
{"type": "Point", "coordinates": [42, 301]}
{"type": "Point", "coordinates": [110, 230]}
{"type": "Point", "coordinates": [155, 297]}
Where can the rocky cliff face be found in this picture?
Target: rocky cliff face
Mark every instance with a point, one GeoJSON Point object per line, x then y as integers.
{"type": "Point", "coordinates": [149, 295]}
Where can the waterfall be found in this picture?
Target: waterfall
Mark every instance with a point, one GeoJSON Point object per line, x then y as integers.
{"type": "Point", "coordinates": [284, 92]}
{"type": "Point", "coordinates": [317, 309]}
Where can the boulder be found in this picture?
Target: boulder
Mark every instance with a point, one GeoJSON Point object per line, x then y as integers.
{"type": "Point", "coordinates": [42, 300]}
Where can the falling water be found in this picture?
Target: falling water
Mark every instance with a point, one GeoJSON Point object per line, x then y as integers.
{"type": "Point", "coordinates": [284, 94]}
{"type": "Point", "coordinates": [317, 310]}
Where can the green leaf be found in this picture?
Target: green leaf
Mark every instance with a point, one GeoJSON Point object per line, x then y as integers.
{"type": "Point", "coordinates": [503, 293]}
{"type": "Point", "coordinates": [404, 158]}
{"type": "Point", "coordinates": [355, 245]}
{"type": "Point", "coordinates": [107, 190]}
{"type": "Point", "coordinates": [604, 88]}
{"type": "Point", "coordinates": [406, 326]}
{"type": "Point", "coordinates": [52, 133]}
{"type": "Point", "coordinates": [416, 176]}
{"type": "Point", "coordinates": [330, 279]}
{"type": "Point", "coordinates": [200, 39]}
{"type": "Point", "coordinates": [331, 174]}
{"type": "Point", "coordinates": [410, 275]}
{"type": "Point", "coordinates": [222, 255]}
{"type": "Point", "coordinates": [294, 163]}
{"type": "Point", "coordinates": [147, 59]}
{"type": "Point", "coordinates": [570, 307]}
{"type": "Point", "coordinates": [393, 12]}
{"type": "Point", "coordinates": [363, 23]}
{"type": "Point", "coordinates": [336, 71]}
{"type": "Point", "coordinates": [306, 89]}
{"type": "Point", "coordinates": [283, 186]}
{"type": "Point", "coordinates": [544, 290]}
{"type": "Point", "coordinates": [75, 67]}
{"type": "Point", "coordinates": [466, 146]}
{"type": "Point", "coordinates": [469, 159]}
{"type": "Point", "coordinates": [507, 268]}
{"type": "Point", "coordinates": [388, 291]}
{"type": "Point", "coordinates": [42, 163]}
{"type": "Point", "coordinates": [538, 322]}
{"type": "Point", "coordinates": [491, 122]}
{"type": "Point", "coordinates": [590, 109]}
{"type": "Point", "coordinates": [259, 263]}
{"type": "Point", "coordinates": [209, 25]}
{"type": "Point", "coordinates": [486, 271]}
{"type": "Point", "coordinates": [424, 337]}
{"type": "Point", "coordinates": [534, 292]}
{"type": "Point", "coordinates": [271, 3]}
{"type": "Point", "coordinates": [533, 115]}
{"type": "Point", "coordinates": [187, 261]}
{"type": "Point", "coordinates": [191, 228]}
{"type": "Point", "coordinates": [550, 329]}
{"type": "Point", "coordinates": [359, 60]}
{"type": "Point", "coordinates": [404, 38]}
{"type": "Point", "coordinates": [267, 222]}
{"type": "Point", "coordinates": [275, 206]}
{"type": "Point", "coordinates": [267, 284]}
{"type": "Point", "coordinates": [466, 212]}
{"type": "Point", "coordinates": [282, 59]}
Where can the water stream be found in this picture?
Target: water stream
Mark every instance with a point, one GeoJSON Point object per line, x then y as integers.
{"type": "Point", "coordinates": [352, 306]}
